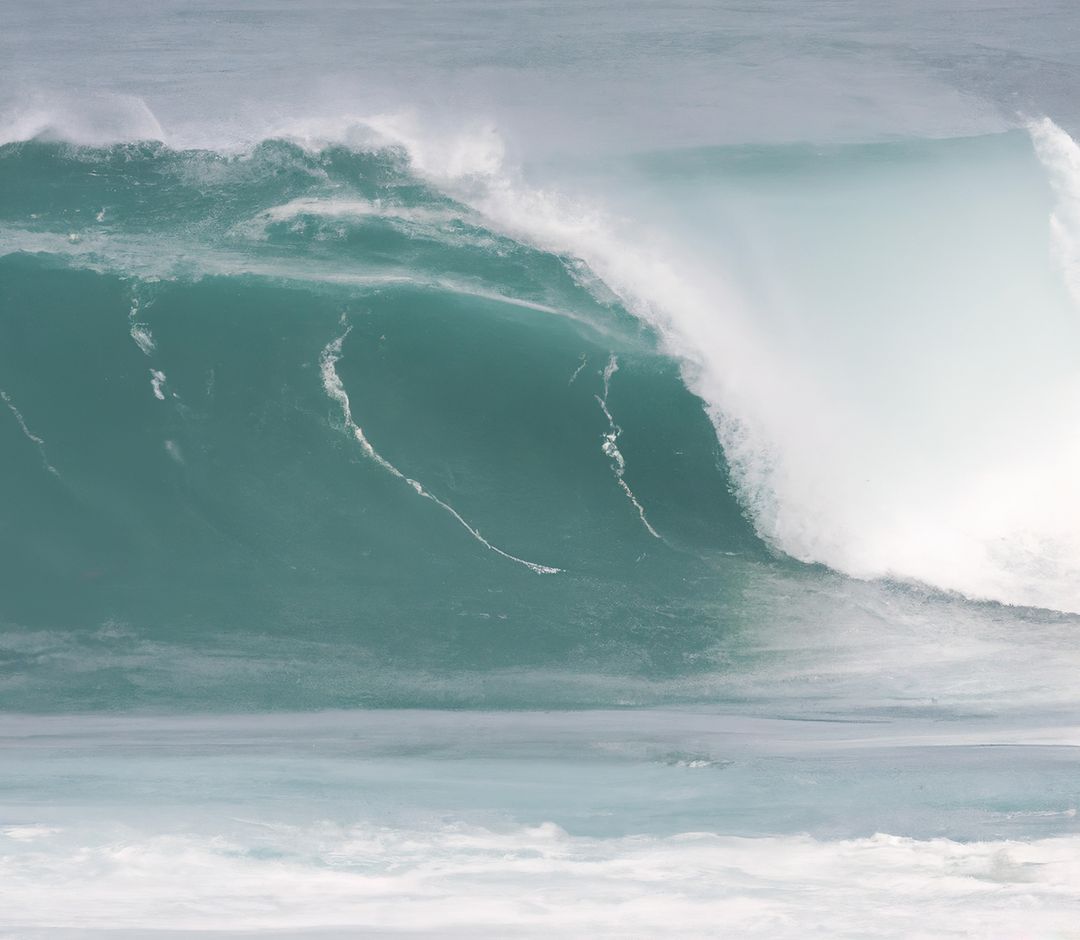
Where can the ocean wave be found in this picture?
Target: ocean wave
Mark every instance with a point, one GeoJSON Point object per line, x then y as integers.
{"type": "Point", "coordinates": [861, 390]}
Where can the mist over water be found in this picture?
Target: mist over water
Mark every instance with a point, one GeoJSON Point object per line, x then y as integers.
{"type": "Point", "coordinates": [623, 455]}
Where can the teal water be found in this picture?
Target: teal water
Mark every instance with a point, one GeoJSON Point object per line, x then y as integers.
{"type": "Point", "coordinates": [611, 473]}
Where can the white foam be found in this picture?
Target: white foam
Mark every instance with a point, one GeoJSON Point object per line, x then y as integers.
{"type": "Point", "coordinates": [153, 258]}
{"type": "Point", "coordinates": [355, 208]}
{"type": "Point", "coordinates": [144, 339]}
{"type": "Point", "coordinates": [533, 881]}
{"type": "Point", "coordinates": [157, 382]}
{"type": "Point", "coordinates": [335, 388]}
{"type": "Point", "coordinates": [581, 365]}
{"type": "Point", "coordinates": [140, 332]}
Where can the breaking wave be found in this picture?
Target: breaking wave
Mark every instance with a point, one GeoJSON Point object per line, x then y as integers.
{"type": "Point", "coordinates": [889, 404]}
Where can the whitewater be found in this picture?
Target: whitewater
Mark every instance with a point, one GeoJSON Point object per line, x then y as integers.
{"type": "Point", "coordinates": [492, 470]}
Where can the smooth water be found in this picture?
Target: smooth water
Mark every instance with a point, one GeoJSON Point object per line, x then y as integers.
{"type": "Point", "coordinates": [502, 469]}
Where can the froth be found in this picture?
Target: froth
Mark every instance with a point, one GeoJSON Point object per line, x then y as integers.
{"type": "Point", "coordinates": [536, 879]}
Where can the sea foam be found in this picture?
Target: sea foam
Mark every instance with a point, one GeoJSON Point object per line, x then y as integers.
{"type": "Point", "coordinates": [466, 880]}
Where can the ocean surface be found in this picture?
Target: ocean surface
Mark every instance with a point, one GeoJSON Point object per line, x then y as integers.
{"type": "Point", "coordinates": [514, 469]}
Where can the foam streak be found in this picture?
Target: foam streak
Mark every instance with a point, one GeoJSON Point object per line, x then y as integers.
{"type": "Point", "coordinates": [335, 388]}
{"type": "Point", "coordinates": [584, 362]}
{"type": "Point", "coordinates": [140, 332]}
{"type": "Point", "coordinates": [30, 435]}
{"type": "Point", "coordinates": [611, 448]}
